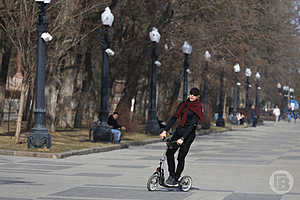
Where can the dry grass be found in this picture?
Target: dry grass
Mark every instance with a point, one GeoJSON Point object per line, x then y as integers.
{"type": "Point", "coordinates": [215, 128]}
{"type": "Point", "coordinates": [62, 140]}
{"type": "Point", "coordinates": [68, 139]}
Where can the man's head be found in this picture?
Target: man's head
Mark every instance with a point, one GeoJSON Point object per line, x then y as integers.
{"type": "Point", "coordinates": [194, 94]}
{"type": "Point", "coordinates": [115, 115]}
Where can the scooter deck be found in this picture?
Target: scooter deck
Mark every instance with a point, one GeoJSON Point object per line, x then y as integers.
{"type": "Point", "coordinates": [170, 186]}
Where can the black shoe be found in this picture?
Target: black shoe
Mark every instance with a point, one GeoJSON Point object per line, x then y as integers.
{"type": "Point", "coordinates": [171, 181]}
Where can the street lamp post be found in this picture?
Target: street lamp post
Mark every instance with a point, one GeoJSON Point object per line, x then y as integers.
{"type": "Point", "coordinates": [187, 50]}
{"type": "Point", "coordinates": [248, 74]}
{"type": "Point", "coordinates": [39, 136]}
{"type": "Point", "coordinates": [235, 103]}
{"type": "Point", "coordinates": [153, 126]}
{"type": "Point", "coordinates": [285, 100]}
{"type": "Point", "coordinates": [103, 131]}
{"type": "Point", "coordinates": [257, 77]}
{"type": "Point", "coordinates": [220, 121]}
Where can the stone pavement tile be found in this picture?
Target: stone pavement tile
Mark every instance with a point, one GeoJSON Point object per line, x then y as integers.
{"type": "Point", "coordinates": [296, 150]}
{"type": "Point", "coordinates": [127, 166]}
{"type": "Point", "coordinates": [21, 171]}
{"type": "Point", "coordinates": [235, 161]}
{"type": "Point", "coordinates": [289, 158]}
{"type": "Point", "coordinates": [208, 195]}
{"type": "Point", "coordinates": [39, 167]}
{"type": "Point", "coordinates": [120, 192]}
{"type": "Point", "coordinates": [56, 198]}
{"type": "Point", "coordinates": [220, 155]}
{"type": "Point", "coordinates": [107, 175]}
{"type": "Point", "coordinates": [78, 198]}
{"type": "Point", "coordinates": [15, 181]}
{"type": "Point", "coordinates": [50, 162]}
{"type": "Point", "coordinates": [151, 158]}
{"type": "Point", "coordinates": [8, 198]}
{"type": "Point", "coordinates": [252, 196]}
{"type": "Point", "coordinates": [290, 197]}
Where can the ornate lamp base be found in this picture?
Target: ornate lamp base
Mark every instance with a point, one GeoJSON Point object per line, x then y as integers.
{"type": "Point", "coordinates": [39, 138]}
{"type": "Point", "coordinates": [220, 122]}
{"type": "Point", "coordinates": [234, 120]}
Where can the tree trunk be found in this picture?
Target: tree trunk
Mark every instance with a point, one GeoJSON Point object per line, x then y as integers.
{"type": "Point", "coordinates": [29, 114]}
{"type": "Point", "coordinates": [124, 105]}
{"type": "Point", "coordinates": [19, 120]}
{"type": "Point", "coordinates": [69, 61]}
{"type": "Point", "coordinates": [84, 91]}
{"type": "Point", "coordinates": [27, 104]}
{"type": "Point", "coordinates": [168, 103]}
{"type": "Point", "coordinates": [65, 99]}
{"type": "Point", "coordinates": [52, 90]}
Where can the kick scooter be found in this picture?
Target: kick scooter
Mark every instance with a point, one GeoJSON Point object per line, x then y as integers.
{"type": "Point", "coordinates": [158, 177]}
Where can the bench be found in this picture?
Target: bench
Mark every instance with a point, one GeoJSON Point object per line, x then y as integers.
{"type": "Point", "coordinates": [100, 132]}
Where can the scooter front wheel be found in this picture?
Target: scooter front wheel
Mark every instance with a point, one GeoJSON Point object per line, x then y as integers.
{"type": "Point", "coordinates": [153, 182]}
{"type": "Point", "coordinates": [185, 183]}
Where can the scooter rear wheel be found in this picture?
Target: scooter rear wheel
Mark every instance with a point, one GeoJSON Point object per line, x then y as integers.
{"type": "Point", "coordinates": [153, 182]}
{"type": "Point", "coordinates": [185, 183]}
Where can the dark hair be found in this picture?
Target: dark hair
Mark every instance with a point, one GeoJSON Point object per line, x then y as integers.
{"type": "Point", "coordinates": [195, 91]}
{"type": "Point", "coordinates": [116, 113]}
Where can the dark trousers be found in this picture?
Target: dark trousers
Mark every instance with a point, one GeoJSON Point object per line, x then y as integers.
{"type": "Point", "coordinates": [254, 121]}
{"type": "Point", "coordinates": [183, 151]}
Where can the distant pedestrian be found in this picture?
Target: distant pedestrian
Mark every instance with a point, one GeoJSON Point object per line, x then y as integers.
{"type": "Point", "coordinates": [230, 117]}
{"type": "Point", "coordinates": [294, 115]}
{"type": "Point", "coordinates": [253, 116]}
{"type": "Point", "coordinates": [216, 117]}
{"type": "Point", "coordinates": [242, 118]}
{"type": "Point", "coordinates": [276, 112]}
{"type": "Point", "coordinates": [289, 113]}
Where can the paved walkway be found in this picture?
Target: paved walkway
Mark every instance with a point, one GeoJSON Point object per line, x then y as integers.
{"type": "Point", "coordinates": [234, 165]}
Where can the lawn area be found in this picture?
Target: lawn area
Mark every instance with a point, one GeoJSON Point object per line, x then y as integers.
{"type": "Point", "coordinates": [62, 140]}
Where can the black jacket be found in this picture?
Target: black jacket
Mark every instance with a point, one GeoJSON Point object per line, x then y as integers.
{"type": "Point", "coordinates": [113, 123]}
{"type": "Point", "coordinates": [189, 126]}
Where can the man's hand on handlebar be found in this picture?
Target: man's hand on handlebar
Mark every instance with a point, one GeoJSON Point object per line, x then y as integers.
{"type": "Point", "coordinates": [179, 141]}
{"type": "Point", "coordinates": [163, 135]}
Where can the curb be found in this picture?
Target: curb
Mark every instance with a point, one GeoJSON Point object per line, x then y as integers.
{"type": "Point", "coordinates": [62, 155]}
